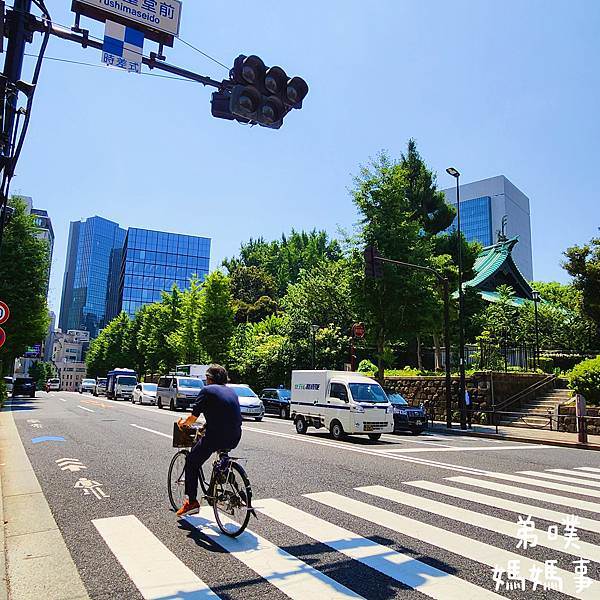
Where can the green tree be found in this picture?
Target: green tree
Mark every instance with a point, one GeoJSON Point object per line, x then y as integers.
{"type": "Point", "coordinates": [185, 339]}
{"type": "Point", "coordinates": [24, 268]}
{"type": "Point", "coordinates": [583, 264]}
{"type": "Point", "coordinates": [248, 284]}
{"type": "Point", "coordinates": [215, 321]}
{"type": "Point", "coordinates": [111, 349]}
{"type": "Point", "coordinates": [40, 372]}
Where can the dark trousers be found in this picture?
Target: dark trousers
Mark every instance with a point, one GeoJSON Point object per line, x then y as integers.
{"type": "Point", "coordinates": [199, 454]}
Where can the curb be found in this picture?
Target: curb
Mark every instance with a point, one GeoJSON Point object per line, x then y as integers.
{"type": "Point", "coordinates": [3, 570]}
{"type": "Point", "coordinates": [517, 438]}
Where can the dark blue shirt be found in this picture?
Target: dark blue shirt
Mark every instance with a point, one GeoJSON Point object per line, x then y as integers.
{"type": "Point", "coordinates": [221, 408]}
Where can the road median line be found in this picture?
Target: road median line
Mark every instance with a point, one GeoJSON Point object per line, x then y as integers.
{"type": "Point", "coordinates": [38, 563]}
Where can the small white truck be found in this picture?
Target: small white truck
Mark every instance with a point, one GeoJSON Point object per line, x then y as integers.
{"type": "Point", "coordinates": [341, 401]}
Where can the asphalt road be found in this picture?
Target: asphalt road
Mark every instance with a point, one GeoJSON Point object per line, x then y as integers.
{"type": "Point", "coordinates": [419, 533]}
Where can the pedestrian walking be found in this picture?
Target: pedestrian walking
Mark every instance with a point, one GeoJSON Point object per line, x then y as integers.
{"type": "Point", "coordinates": [469, 407]}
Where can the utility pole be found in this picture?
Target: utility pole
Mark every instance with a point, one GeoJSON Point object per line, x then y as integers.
{"type": "Point", "coordinates": [19, 35]}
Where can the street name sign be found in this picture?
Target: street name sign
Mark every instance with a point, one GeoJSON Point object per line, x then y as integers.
{"type": "Point", "coordinates": [158, 19]}
{"type": "Point", "coordinates": [123, 47]}
{"type": "Point", "coordinates": [4, 312]}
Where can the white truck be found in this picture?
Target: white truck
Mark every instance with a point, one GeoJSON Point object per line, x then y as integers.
{"type": "Point", "coordinates": [341, 401]}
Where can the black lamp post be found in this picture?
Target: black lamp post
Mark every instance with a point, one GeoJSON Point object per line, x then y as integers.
{"type": "Point", "coordinates": [314, 329]}
{"type": "Point", "coordinates": [536, 298]}
{"type": "Point", "coordinates": [461, 331]}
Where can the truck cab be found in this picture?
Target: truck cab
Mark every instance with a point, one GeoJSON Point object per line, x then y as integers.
{"type": "Point", "coordinates": [341, 401]}
{"type": "Point", "coordinates": [120, 384]}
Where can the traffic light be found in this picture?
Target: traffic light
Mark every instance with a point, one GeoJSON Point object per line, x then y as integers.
{"type": "Point", "coordinates": [261, 94]}
{"type": "Point", "coordinates": [373, 266]}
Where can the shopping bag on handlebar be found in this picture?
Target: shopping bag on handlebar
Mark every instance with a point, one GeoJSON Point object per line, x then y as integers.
{"type": "Point", "coordinates": [183, 438]}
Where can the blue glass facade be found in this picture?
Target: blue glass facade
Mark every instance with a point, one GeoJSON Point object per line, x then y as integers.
{"type": "Point", "coordinates": [88, 298]}
{"type": "Point", "coordinates": [475, 220]}
{"type": "Point", "coordinates": [153, 261]}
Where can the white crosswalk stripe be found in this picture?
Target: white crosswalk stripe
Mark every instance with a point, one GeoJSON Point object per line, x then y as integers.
{"type": "Point", "coordinates": [447, 540]}
{"type": "Point", "coordinates": [553, 477]}
{"type": "Point", "coordinates": [153, 568]}
{"type": "Point", "coordinates": [576, 473]}
{"type": "Point", "coordinates": [292, 576]}
{"type": "Point", "coordinates": [403, 568]}
{"type": "Point", "coordinates": [159, 574]}
{"type": "Point", "coordinates": [521, 508]}
{"type": "Point", "coordinates": [592, 469]}
{"type": "Point", "coordinates": [494, 524]}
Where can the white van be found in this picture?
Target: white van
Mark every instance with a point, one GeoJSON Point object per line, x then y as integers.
{"type": "Point", "coordinates": [341, 401]}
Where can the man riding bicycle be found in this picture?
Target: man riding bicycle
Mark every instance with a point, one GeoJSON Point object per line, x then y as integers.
{"type": "Point", "coordinates": [221, 409]}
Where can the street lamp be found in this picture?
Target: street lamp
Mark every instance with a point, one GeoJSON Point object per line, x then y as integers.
{"type": "Point", "coordinates": [536, 298]}
{"type": "Point", "coordinates": [314, 329]}
{"type": "Point", "coordinates": [461, 331]}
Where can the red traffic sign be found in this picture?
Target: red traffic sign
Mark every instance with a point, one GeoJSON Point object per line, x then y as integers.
{"type": "Point", "coordinates": [359, 330]}
{"type": "Point", "coordinates": [4, 312]}
{"type": "Point", "coordinates": [2, 337]}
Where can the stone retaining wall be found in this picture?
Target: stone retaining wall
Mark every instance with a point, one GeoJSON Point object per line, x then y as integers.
{"type": "Point", "coordinates": [431, 391]}
{"type": "Point", "coordinates": [568, 420]}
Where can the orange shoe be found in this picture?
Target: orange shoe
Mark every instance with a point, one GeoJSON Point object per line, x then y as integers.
{"type": "Point", "coordinates": [188, 508]}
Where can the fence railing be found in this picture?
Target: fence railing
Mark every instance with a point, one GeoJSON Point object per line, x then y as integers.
{"type": "Point", "coordinates": [526, 393]}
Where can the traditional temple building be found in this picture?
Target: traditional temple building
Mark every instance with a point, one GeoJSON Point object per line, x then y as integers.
{"type": "Point", "coordinates": [495, 267]}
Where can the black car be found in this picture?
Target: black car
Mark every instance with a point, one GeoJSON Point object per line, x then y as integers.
{"type": "Point", "coordinates": [23, 386]}
{"type": "Point", "coordinates": [406, 417]}
{"type": "Point", "coordinates": [277, 401]}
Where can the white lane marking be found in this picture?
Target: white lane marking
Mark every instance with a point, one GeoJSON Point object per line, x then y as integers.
{"type": "Point", "coordinates": [592, 469]}
{"type": "Point", "coordinates": [576, 481]}
{"type": "Point", "coordinates": [577, 473]}
{"type": "Point", "coordinates": [459, 449]}
{"type": "Point", "coordinates": [62, 399]}
{"type": "Point", "coordinates": [489, 522]}
{"type": "Point", "coordinates": [292, 576]}
{"type": "Point", "coordinates": [447, 540]}
{"type": "Point", "coordinates": [84, 408]}
{"type": "Point", "coordinates": [351, 448]}
{"type": "Point", "coordinates": [402, 567]}
{"type": "Point", "coordinates": [400, 440]}
{"type": "Point", "coordinates": [152, 430]}
{"type": "Point", "coordinates": [525, 493]}
{"type": "Point", "coordinates": [521, 508]}
{"type": "Point", "coordinates": [561, 487]}
{"type": "Point", "coordinates": [153, 568]}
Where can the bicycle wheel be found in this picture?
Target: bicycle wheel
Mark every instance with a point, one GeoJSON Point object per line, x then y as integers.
{"type": "Point", "coordinates": [176, 479]}
{"type": "Point", "coordinates": [232, 501]}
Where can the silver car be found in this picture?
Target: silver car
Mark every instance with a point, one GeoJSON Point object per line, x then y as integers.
{"type": "Point", "coordinates": [177, 392]}
{"type": "Point", "coordinates": [250, 404]}
{"type": "Point", "coordinates": [87, 385]}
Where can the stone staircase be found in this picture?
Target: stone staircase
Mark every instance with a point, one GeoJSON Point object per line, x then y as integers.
{"type": "Point", "coordinates": [538, 409]}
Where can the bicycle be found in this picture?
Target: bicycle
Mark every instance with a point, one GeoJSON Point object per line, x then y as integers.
{"type": "Point", "coordinates": [228, 491]}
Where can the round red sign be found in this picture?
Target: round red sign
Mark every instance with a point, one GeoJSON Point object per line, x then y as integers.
{"type": "Point", "coordinates": [4, 312]}
{"type": "Point", "coordinates": [359, 330]}
{"type": "Point", "coordinates": [2, 337]}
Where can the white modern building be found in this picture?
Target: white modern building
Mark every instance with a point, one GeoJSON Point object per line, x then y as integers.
{"type": "Point", "coordinates": [492, 208]}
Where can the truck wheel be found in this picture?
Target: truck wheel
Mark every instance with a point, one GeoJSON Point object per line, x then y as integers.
{"type": "Point", "coordinates": [301, 425]}
{"type": "Point", "coordinates": [374, 436]}
{"type": "Point", "coordinates": [337, 431]}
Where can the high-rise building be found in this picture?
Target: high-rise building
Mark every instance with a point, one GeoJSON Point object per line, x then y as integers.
{"type": "Point", "coordinates": [153, 261]}
{"type": "Point", "coordinates": [495, 208]}
{"type": "Point", "coordinates": [90, 275]}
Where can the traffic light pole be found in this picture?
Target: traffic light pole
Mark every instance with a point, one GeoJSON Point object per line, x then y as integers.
{"type": "Point", "coordinates": [446, 287]}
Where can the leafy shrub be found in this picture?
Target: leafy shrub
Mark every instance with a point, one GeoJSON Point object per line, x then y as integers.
{"type": "Point", "coordinates": [584, 378]}
{"type": "Point", "coordinates": [546, 364]}
{"type": "Point", "coordinates": [366, 366]}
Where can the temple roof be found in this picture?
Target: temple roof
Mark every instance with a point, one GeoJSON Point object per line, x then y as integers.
{"type": "Point", "coordinates": [494, 267]}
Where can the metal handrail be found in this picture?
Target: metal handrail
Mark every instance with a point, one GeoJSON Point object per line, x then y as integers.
{"type": "Point", "coordinates": [519, 396]}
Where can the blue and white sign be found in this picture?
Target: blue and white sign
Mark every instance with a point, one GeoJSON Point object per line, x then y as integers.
{"type": "Point", "coordinates": [123, 47]}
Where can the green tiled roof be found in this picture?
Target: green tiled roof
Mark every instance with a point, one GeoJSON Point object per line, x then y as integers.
{"type": "Point", "coordinates": [496, 261]}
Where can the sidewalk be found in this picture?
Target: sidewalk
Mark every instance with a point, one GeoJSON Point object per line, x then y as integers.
{"type": "Point", "coordinates": [520, 434]}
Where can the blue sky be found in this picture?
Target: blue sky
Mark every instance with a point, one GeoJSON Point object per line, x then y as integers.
{"type": "Point", "coordinates": [490, 87]}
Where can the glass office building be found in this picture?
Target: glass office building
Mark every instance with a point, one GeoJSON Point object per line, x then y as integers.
{"type": "Point", "coordinates": [475, 220]}
{"type": "Point", "coordinates": [154, 261]}
{"type": "Point", "coordinates": [90, 274]}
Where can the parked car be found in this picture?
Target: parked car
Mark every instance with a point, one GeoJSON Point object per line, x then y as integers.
{"type": "Point", "coordinates": [8, 384]}
{"type": "Point", "coordinates": [144, 393]}
{"type": "Point", "coordinates": [250, 404]}
{"type": "Point", "coordinates": [406, 417]}
{"type": "Point", "coordinates": [53, 385]}
{"type": "Point", "coordinates": [87, 385]}
{"type": "Point", "coordinates": [100, 387]}
{"type": "Point", "coordinates": [23, 386]}
{"type": "Point", "coordinates": [177, 392]}
{"type": "Point", "coordinates": [277, 401]}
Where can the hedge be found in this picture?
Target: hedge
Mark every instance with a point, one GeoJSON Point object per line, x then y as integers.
{"type": "Point", "coordinates": [584, 378]}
